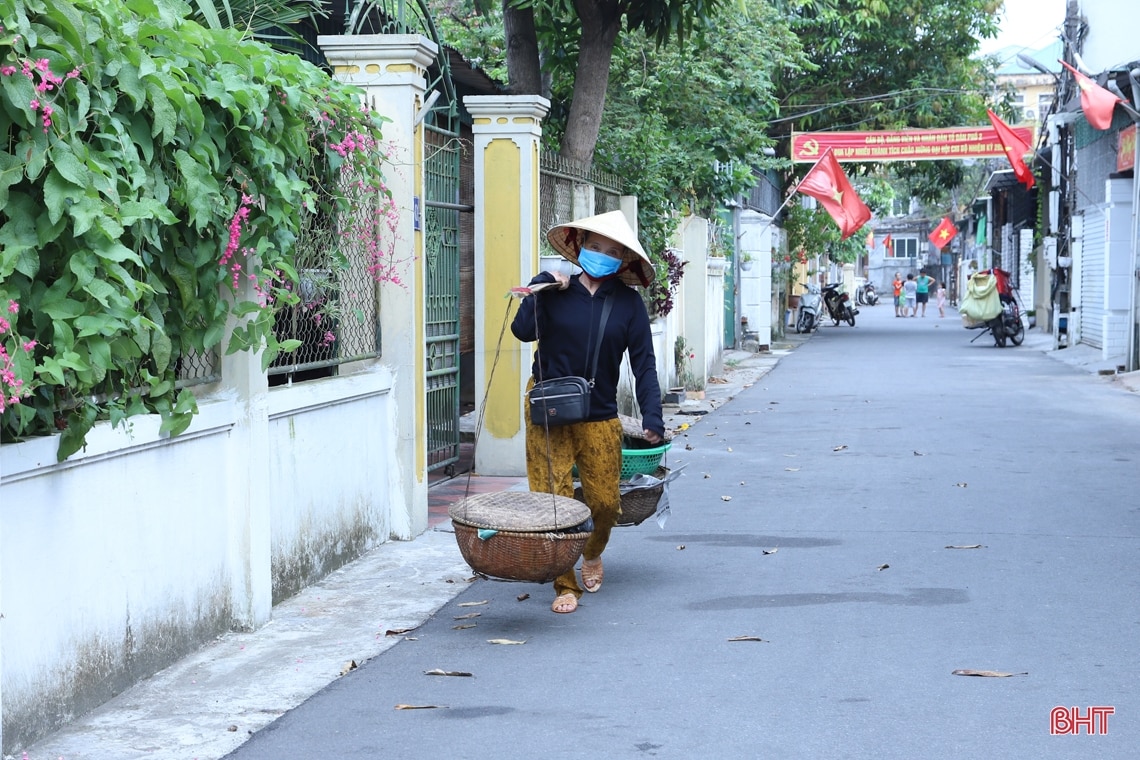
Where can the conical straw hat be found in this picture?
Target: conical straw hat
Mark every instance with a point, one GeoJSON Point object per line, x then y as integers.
{"type": "Point", "coordinates": [566, 239]}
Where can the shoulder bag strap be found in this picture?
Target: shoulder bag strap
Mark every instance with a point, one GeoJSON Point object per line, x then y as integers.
{"type": "Point", "coordinates": [607, 307]}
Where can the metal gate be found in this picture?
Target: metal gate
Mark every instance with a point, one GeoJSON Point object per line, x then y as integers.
{"type": "Point", "coordinates": [441, 252]}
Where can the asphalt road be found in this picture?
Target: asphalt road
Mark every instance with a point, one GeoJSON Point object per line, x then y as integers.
{"type": "Point", "coordinates": [816, 512]}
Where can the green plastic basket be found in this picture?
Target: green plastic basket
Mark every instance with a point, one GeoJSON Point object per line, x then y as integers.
{"type": "Point", "coordinates": [643, 461]}
{"type": "Point", "coordinates": [634, 461]}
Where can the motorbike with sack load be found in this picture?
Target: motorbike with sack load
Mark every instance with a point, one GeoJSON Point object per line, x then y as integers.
{"type": "Point", "coordinates": [992, 305]}
{"type": "Point", "coordinates": [838, 305]}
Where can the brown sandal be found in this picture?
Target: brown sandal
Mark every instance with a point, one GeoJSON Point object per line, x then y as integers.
{"type": "Point", "coordinates": [564, 603]}
{"type": "Point", "coordinates": [592, 573]}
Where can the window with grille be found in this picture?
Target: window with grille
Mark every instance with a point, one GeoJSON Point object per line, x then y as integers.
{"type": "Point", "coordinates": [904, 248]}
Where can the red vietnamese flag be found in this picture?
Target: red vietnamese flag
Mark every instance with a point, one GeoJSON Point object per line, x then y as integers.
{"type": "Point", "coordinates": [1097, 102]}
{"type": "Point", "coordinates": [887, 244]}
{"type": "Point", "coordinates": [827, 183]}
{"type": "Point", "coordinates": [943, 233]}
{"type": "Point", "coordinates": [1015, 148]}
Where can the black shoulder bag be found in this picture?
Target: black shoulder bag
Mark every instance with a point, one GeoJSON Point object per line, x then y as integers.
{"type": "Point", "coordinates": [564, 400]}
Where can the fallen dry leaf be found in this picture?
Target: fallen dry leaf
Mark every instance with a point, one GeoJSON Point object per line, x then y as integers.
{"type": "Point", "coordinates": [919, 454]}
{"type": "Point", "coordinates": [730, 448]}
{"type": "Point", "coordinates": [681, 548]}
{"type": "Point", "coordinates": [749, 638]}
{"type": "Point", "coordinates": [791, 455]}
{"type": "Point", "coordinates": [960, 485]}
{"type": "Point", "coordinates": [707, 476]}
{"type": "Point", "coordinates": [398, 631]}
{"type": "Point", "coordinates": [505, 641]}
{"type": "Point", "coordinates": [839, 448]}
{"type": "Point", "coordinates": [985, 673]}
{"type": "Point", "coordinates": [417, 707]}
{"type": "Point", "coordinates": [462, 626]}
{"type": "Point", "coordinates": [771, 551]}
{"type": "Point", "coordinates": [726, 498]}
{"type": "Point", "coordinates": [231, 729]}
{"type": "Point", "coordinates": [523, 597]}
{"type": "Point", "coordinates": [883, 567]}
{"type": "Point", "coordinates": [688, 447]}
{"type": "Point", "coordinates": [742, 483]}
{"type": "Point", "coordinates": [349, 666]}
{"type": "Point", "coordinates": [473, 604]}
{"type": "Point", "coordinates": [969, 546]}
{"type": "Point", "coordinates": [708, 434]}
{"type": "Point", "coordinates": [438, 672]}
{"type": "Point", "coordinates": [468, 616]}
{"type": "Point", "coordinates": [791, 469]}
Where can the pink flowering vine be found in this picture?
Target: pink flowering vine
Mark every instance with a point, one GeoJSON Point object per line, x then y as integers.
{"type": "Point", "coordinates": [47, 85]}
{"type": "Point", "coordinates": [12, 387]}
{"type": "Point", "coordinates": [235, 254]}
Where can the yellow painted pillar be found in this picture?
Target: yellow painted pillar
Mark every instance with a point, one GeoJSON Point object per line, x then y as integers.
{"type": "Point", "coordinates": [392, 71]}
{"type": "Point", "coordinates": [507, 129]}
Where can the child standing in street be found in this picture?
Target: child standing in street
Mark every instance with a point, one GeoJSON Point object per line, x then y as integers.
{"type": "Point", "coordinates": [910, 294]}
{"type": "Point", "coordinates": [940, 299]}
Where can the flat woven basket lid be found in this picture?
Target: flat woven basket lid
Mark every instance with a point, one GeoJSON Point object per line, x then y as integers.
{"type": "Point", "coordinates": [519, 511]}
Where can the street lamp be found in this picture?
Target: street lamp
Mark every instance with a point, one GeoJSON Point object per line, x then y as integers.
{"type": "Point", "coordinates": [1033, 63]}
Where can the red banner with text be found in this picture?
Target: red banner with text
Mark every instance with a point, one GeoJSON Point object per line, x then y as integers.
{"type": "Point", "coordinates": [1126, 149]}
{"type": "Point", "coordinates": [904, 145]}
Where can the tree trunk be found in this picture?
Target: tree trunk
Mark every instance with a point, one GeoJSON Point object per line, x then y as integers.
{"type": "Point", "coordinates": [523, 72]}
{"type": "Point", "coordinates": [601, 23]}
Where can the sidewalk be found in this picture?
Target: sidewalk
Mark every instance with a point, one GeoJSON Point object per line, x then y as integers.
{"type": "Point", "coordinates": [1082, 357]}
{"type": "Point", "coordinates": [209, 703]}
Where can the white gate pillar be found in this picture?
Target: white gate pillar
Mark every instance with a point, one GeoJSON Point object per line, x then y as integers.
{"type": "Point", "coordinates": [392, 71]}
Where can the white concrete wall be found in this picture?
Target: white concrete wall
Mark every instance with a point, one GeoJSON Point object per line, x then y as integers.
{"type": "Point", "coordinates": [114, 563]}
{"type": "Point", "coordinates": [713, 345]}
{"type": "Point", "coordinates": [700, 300]}
{"type": "Point", "coordinates": [758, 239]}
{"type": "Point", "coordinates": [130, 554]}
{"type": "Point", "coordinates": [332, 475]}
{"type": "Point", "coordinates": [1110, 43]}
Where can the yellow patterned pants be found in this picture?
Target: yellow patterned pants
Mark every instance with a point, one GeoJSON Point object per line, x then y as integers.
{"type": "Point", "coordinates": [596, 448]}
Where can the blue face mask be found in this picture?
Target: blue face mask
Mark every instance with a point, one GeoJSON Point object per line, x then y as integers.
{"type": "Point", "coordinates": [597, 264]}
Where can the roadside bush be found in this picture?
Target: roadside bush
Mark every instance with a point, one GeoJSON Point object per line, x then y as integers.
{"type": "Point", "coordinates": [152, 169]}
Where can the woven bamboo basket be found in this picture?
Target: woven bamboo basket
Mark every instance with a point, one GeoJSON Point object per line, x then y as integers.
{"type": "Point", "coordinates": [535, 536]}
{"type": "Point", "coordinates": [636, 506]}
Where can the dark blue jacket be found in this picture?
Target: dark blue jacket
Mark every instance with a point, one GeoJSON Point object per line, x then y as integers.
{"type": "Point", "coordinates": [567, 322]}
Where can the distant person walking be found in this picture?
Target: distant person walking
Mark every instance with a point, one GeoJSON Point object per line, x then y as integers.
{"type": "Point", "coordinates": [922, 290]}
{"type": "Point", "coordinates": [899, 302]}
{"type": "Point", "coordinates": [910, 295]}
{"type": "Point", "coordinates": [940, 299]}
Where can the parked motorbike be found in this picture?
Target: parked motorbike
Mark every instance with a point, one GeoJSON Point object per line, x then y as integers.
{"type": "Point", "coordinates": [807, 316]}
{"type": "Point", "coordinates": [838, 305]}
{"type": "Point", "coordinates": [867, 295]}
